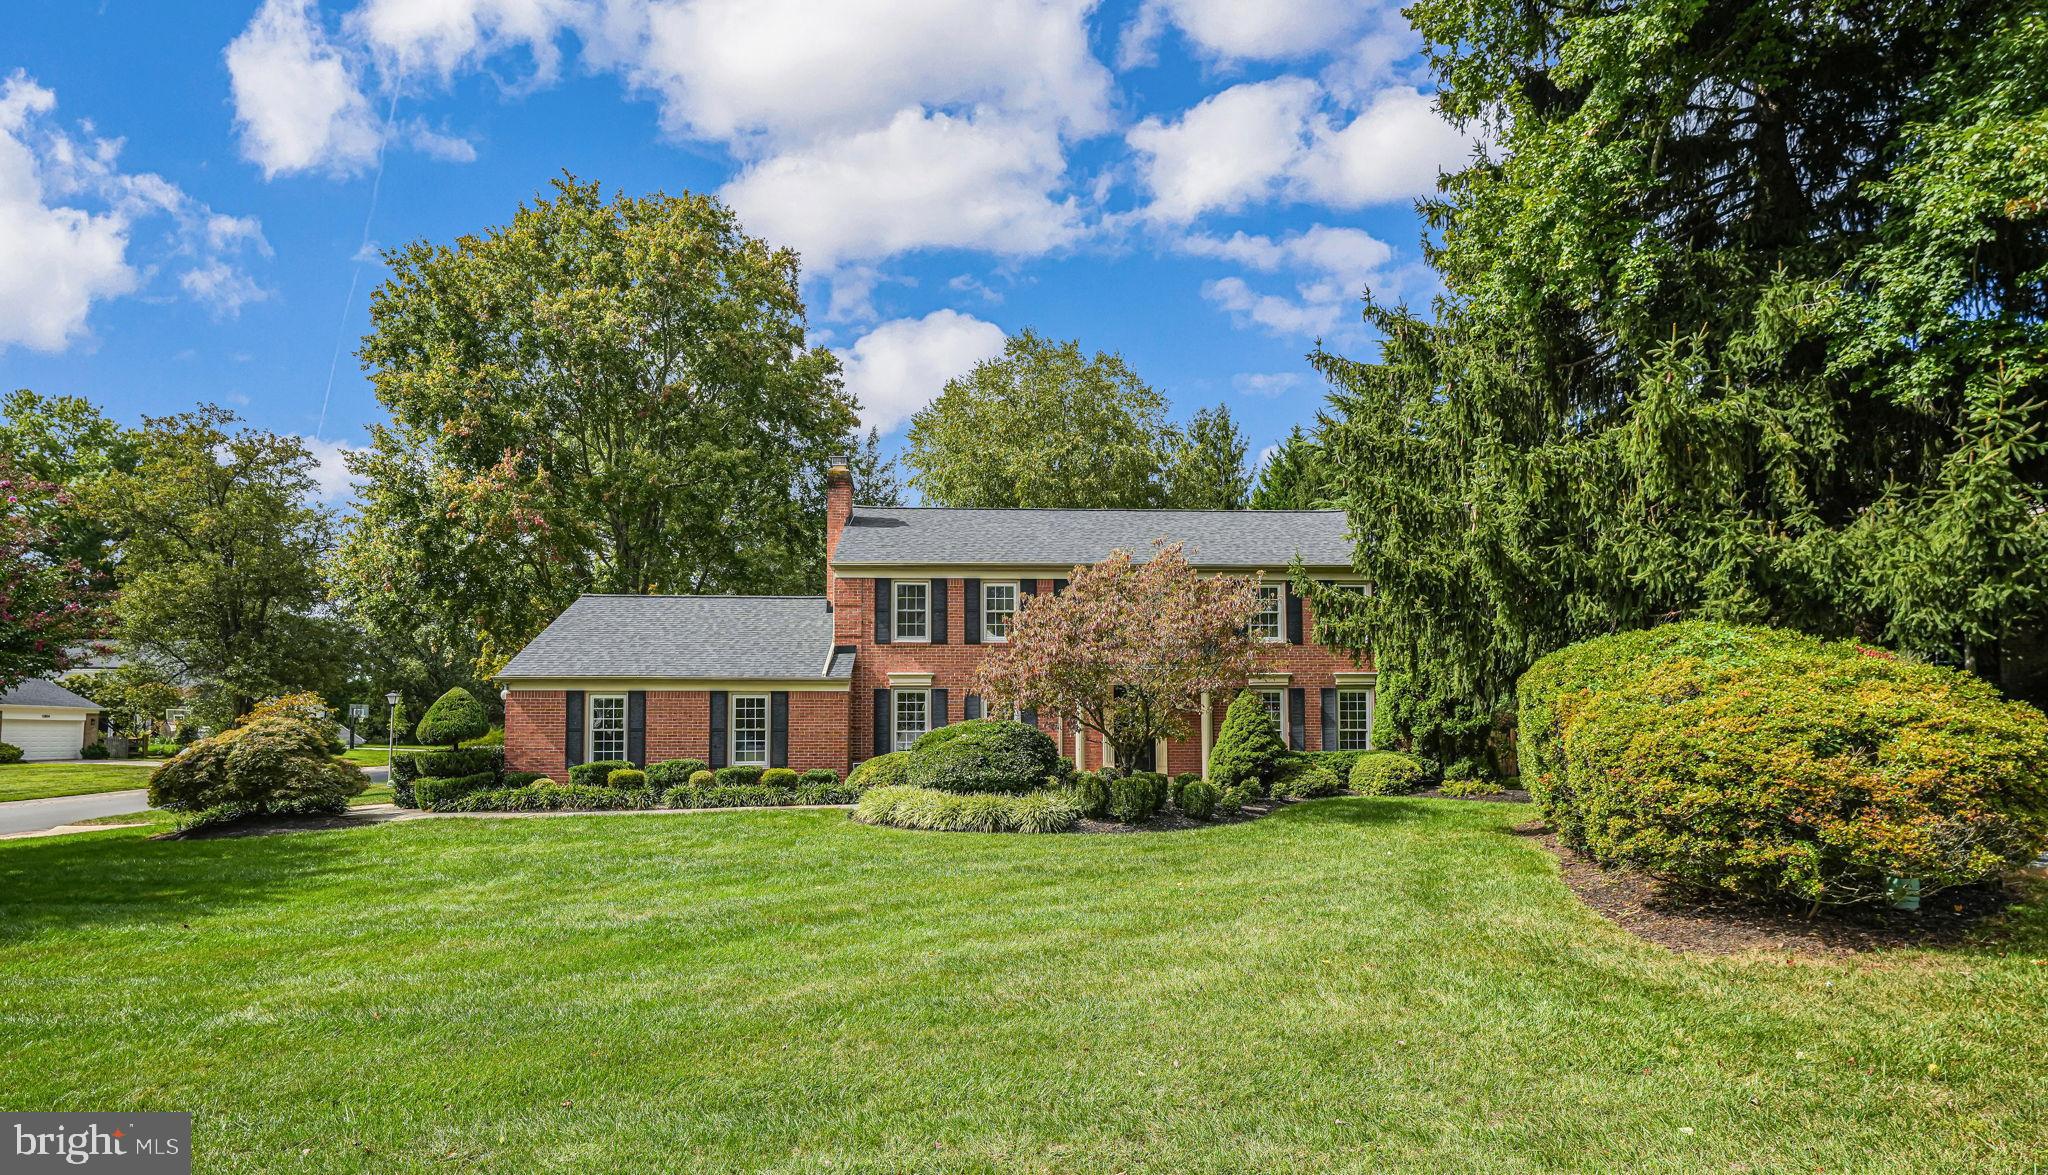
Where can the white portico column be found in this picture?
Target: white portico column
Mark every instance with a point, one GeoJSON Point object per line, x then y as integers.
{"type": "Point", "coordinates": [1208, 731]}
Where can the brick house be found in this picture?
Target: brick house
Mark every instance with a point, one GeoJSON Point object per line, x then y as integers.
{"type": "Point", "coordinates": [914, 598]}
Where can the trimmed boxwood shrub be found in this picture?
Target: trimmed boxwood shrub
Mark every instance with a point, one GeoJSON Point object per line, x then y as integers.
{"type": "Point", "coordinates": [627, 779]}
{"type": "Point", "coordinates": [468, 761]}
{"type": "Point", "coordinates": [1766, 763]}
{"type": "Point", "coordinates": [432, 792]}
{"type": "Point", "coordinates": [703, 778]}
{"type": "Point", "coordinates": [1230, 801]}
{"type": "Point", "coordinates": [454, 718]}
{"type": "Point", "coordinates": [1198, 799]}
{"type": "Point", "coordinates": [1091, 792]}
{"type": "Point", "coordinates": [818, 777]}
{"type": "Point", "coordinates": [1137, 797]}
{"type": "Point", "coordinates": [522, 778]}
{"type": "Point", "coordinates": [674, 772]}
{"type": "Point", "coordinates": [983, 755]}
{"type": "Point", "coordinates": [1339, 762]}
{"type": "Point", "coordinates": [9, 753]}
{"type": "Point", "coordinates": [758, 796]}
{"type": "Point", "coordinates": [738, 776]}
{"type": "Point", "coordinates": [1248, 750]}
{"type": "Point", "coordinates": [548, 797]}
{"type": "Point", "coordinates": [1042, 811]}
{"type": "Point", "coordinates": [404, 769]}
{"type": "Point", "coordinates": [597, 773]}
{"type": "Point", "coordinates": [778, 777]}
{"type": "Point", "coordinates": [881, 771]}
{"type": "Point", "coordinates": [1307, 781]}
{"type": "Point", "coordinates": [1179, 784]}
{"type": "Point", "coordinates": [1387, 773]}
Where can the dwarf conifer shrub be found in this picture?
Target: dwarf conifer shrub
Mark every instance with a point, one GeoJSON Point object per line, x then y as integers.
{"type": "Point", "coordinates": [1248, 749]}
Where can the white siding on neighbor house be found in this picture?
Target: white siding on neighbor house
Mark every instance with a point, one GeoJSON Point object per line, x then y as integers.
{"type": "Point", "coordinates": [42, 739]}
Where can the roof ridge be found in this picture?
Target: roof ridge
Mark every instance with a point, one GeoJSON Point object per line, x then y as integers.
{"type": "Point", "coordinates": [692, 596]}
{"type": "Point", "coordinates": [1110, 509]}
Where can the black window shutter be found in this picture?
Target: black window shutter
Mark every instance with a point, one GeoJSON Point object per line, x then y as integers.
{"type": "Point", "coordinates": [1026, 587]}
{"type": "Point", "coordinates": [885, 620]}
{"type": "Point", "coordinates": [717, 756]}
{"type": "Point", "coordinates": [939, 709]}
{"type": "Point", "coordinates": [939, 591]}
{"type": "Point", "coordinates": [778, 728]}
{"type": "Point", "coordinates": [971, 708]}
{"type": "Point", "coordinates": [1058, 586]}
{"type": "Point", "coordinates": [573, 706]}
{"type": "Point", "coordinates": [1329, 720]}
{"type": "Point", "coordinates": [1297, 719]}
{"type": "Point", "coordinates": [1293, 613]}
{"type": "Point", "coordinates": [970, 611]}
{"type": "Point", "coordinates": [636, 727]}
{"type": "Point", "coordinates": [1028, 717]}
{"type": "Point", "coordinates": [882, 746]}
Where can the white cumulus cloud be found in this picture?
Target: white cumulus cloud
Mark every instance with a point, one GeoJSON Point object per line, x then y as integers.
{"type": "Point", "coordinates": [1392, 151]}
{"type": "Point", "coordinates": [898, 367]}
{"type": "Point", "coordinates": [331, 477]}
{"type": "Point", "coordinates": [298, 103]}
{"type": "Point", "coordinates": [443, 35]}
{"type": "Point", "coordinates": [1244, 29]}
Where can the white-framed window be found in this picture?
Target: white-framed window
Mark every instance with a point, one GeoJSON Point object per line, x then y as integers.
{"type": "Point", "coordinates": [998, 605]}
{"type": "Point", "coordinates": [1275, 700]}
{"type": "Point", "coordinates": [913, 715]}
{"type": "Point", "coordinates": [607, 726]}
{"type": "Point", "coordinates": [1354, 719]}
{"type": "Point", "coordinates": [913, 610]}
{"type": "Point", "coordinates": [748, 730]}
{"type": "Point", "coordinates": [1267, 623]}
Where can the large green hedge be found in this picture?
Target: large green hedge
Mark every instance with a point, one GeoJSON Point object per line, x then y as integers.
{"type": "Point", "coordinates": [983, 755]}
{"type": "Point", "coordinates": [1773, 764]}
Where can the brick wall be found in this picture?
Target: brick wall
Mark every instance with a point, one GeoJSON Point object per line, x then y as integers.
{"type": "Point", "coordinates": [535, 729]}
{"type": "Point", "coordinates": [678, 727]}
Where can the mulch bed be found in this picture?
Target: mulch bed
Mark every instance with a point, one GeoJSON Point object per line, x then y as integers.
{"type": "Point", "coordinates": [1688, 921]}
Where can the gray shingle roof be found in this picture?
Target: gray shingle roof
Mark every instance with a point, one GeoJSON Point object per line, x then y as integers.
{"type": "Point", "coordinates": [1214, 538]}
{"type": "Point", "coordinates": [734, 637]}
{"type": "Point", "coordinates": [38, 692]}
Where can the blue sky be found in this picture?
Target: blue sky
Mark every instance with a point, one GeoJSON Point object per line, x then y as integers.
{"type": "Point", "coordinates": [1203, 185]}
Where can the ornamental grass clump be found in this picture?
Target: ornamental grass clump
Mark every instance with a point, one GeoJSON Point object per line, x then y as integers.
{"type": "Point", "coordinates": [930, 810]}
{"type": "Point", "coordinates": [1775, 765]}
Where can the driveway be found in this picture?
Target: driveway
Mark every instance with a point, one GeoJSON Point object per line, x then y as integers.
{"type": "Point", "coordinates": [37, 815]}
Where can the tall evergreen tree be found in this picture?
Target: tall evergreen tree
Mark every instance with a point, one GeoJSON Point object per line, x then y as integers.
{"type": "Point", "coordinates": [1298, 476]}
{"type": "Point", "coordinates": [1744, 319]}
{"type": "Point", "coordinates": [1206, 470]}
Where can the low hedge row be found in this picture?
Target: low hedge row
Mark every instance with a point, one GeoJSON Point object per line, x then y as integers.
{"type": "Point", "coordinates": [928, 809]}
{"type": "Point", "coordinates": [551, 797]}
{"type": "Point", "coordinates": [759, 796]}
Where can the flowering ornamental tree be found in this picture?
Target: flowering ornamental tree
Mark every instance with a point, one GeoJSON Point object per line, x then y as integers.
{"type": "Point", "coordinates": [1128, 648]}
{"type": "Point", "coordinates": [48, 606]}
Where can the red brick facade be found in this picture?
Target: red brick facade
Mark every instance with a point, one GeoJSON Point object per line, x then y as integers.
{"type": "Point", "coordinates": [834, 727]}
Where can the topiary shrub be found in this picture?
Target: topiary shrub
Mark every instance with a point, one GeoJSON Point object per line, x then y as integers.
{"type": "Point", "coordinates": [1248, 749]}
{"type": "Point", "coordinates": [983, 755]}
{"type": "Point", "coordinates": [627, 779]}
{"type": "Point", "coordinates": [276, 765]}
{"type": "Point", "coordinates": [469, 761]}
{"type": "Point", "coordinates": [597, 773]}
{"type": "Point", "coordinates": [779, 777]}
{"type": "Point", "coordinates": [738, 776]}
{"type": "Point", "coordinates": [928, 809]}
{"type": "Point", "coordinates": [1198, 799]}
{"type": "Point", "coordinates": [1386, 773]}
{"type": "Point", "coordinates": [1766, 763]}
{"type": "Point", "coordinates": [9, 753]}
{"type": "Point", "coordinates": [453, 718]}
{"type": "Point", "coordinates": [1091, 793]}
{"type": "Point", "coordinates": [1308, 782]}
{"type": "Point", "coordinates": [675, 772]}
{"type": "Point", "coordinates": [881, 771]}
{"type": "Point", "coordinates": [1137, 797]}
{"type": "Point", "coordinates": [434, 793]}
{"type": "Point", "coordinates": [818, 777]}
{"type": "Point", "coordinates": [404, 769]}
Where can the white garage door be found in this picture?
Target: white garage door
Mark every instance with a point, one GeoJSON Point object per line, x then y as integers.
{"type": "Point", "coordinates": [45, 738]}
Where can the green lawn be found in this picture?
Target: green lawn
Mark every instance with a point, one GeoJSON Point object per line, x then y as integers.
{"type": "Point", "coordinates": [377, 756]}
{"type": "Point", "coordinates": [37, 781]}
{"type": "Point", "coordinates": [1353, 984]}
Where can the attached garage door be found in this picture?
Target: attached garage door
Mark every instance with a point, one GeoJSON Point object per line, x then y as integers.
{"type": "Point", "coordinates": [45, 738]}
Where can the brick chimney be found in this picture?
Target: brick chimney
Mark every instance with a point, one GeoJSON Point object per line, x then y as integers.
{"type": "Point", "coordinates": [838, 508]}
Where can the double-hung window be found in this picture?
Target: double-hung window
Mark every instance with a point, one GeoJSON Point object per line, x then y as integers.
{"type": "Point", "coordinates": [998, 605]}
{"type": "Point", "coordinates": [913, 610]}
{"type": "Point", "coordinates": [749, 730]}
{"type": "Point", "coordinates": [1275, 701]}
{"type": "Point", "coordinates": [607, 726]}
{"type": "Point", "coordinates": [1354, 719]}
{"type": "Point", "coordinates": [913, 715]}
{"type": "Point", "coordinates": [1267, 623]}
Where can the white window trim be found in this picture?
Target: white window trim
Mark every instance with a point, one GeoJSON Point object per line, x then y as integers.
{"type": "Point", "coordinates": [1279, 636]}
{"type": "Point", "coordinates": [1263, 690]}
{"type": "Point", "coordinates": [896, 611]}
{"type": "Point", "coordinates": [1016, 603]}
{"type": "Point", "coordinates": [732, 731]}
{"type": "Point", "coordinates": [590, 754]}
{"type": "Point", "coordinates": [1371, 714]}
{"type": "Point", "coordinates": [896, 698]}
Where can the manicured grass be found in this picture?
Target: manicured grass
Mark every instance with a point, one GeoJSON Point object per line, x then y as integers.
{"type": "Point", "coordinates": [377, 756]}
{"type": "Point", "coordinates": [1351, 984]}
{"type": "Point", "coordinates": [38, 781]}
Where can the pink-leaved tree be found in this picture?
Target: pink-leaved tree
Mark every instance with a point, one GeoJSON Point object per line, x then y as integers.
{"type": "Point", "coordinates": [1128, 649]}
{"type": "Point", "coordinates": [49, 605]}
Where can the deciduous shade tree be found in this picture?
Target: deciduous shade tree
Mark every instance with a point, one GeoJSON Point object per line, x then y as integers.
{"type": "Point", "coordinates": [1745, 320]}
{"type": "Point", "coordinates": [601, 395]}
{"type": "Point", "coordinates": [66, 441]}
{"type": "Point", "coordinates": [1128, 649]}
{"type": "Point", "coordinates": [51, 604]}
{"type": "Point", "coordinates": [1041, 425]}
{"type": "Point", "coordinates": [135, 696]}
{"type": "Point", "coordinates": [219, 577]}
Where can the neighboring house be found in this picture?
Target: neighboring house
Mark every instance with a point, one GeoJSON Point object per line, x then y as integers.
{"type": "Point", "coordinates": [914, 598]}
{"type": "Point", "coordinates": [47, 721]}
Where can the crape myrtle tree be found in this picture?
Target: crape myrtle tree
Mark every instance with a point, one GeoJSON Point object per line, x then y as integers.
{"type": "Point", "coordinates": [1744, 320]}
{"type": "Point", "coordinates": [1128, 649]}
{"type": "Point", "coordinates": [51, 604]}
{"type": "Point", "coordinates": [600, 395]}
